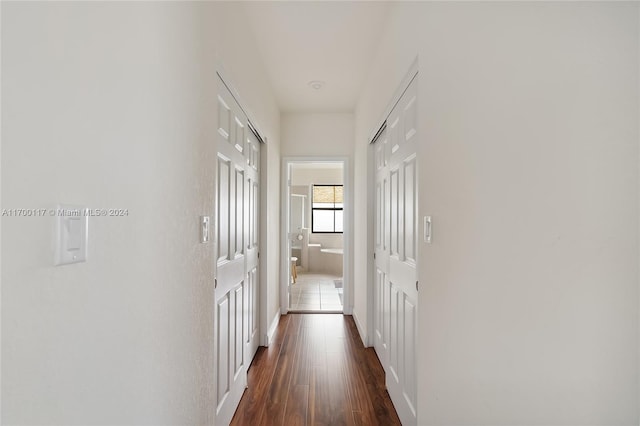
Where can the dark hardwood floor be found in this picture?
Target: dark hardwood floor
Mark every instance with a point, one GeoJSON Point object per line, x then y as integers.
{"type": "Point", "coordinates": [316, 372]}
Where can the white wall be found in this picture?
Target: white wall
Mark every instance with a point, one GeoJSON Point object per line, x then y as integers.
{"type": "Point", "coordinates": [317, 134]}
{"type": "Point", "coordinates": [529, 166]}
{"type": "Point", "coordinates": [113, 105]}
{"type": "Point", "coordinates": [318, 176]}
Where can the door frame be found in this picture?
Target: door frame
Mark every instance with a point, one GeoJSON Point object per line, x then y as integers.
{"type": "Point", "coordinates": [285, 243]}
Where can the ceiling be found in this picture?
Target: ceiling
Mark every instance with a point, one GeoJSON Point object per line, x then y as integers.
{"type": "Point", "coordinates": [330, 41]}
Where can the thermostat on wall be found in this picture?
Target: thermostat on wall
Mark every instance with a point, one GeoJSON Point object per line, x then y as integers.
{"type": "Point", "coordinates": [72, 226]}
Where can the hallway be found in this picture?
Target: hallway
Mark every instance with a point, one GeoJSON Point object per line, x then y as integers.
{"type": "Point", "coordinates": [488, 221]}
{"type": "Point", "coordinates": [316, 372]}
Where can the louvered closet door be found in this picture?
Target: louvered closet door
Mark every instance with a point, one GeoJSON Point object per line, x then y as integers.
{"type": "Point", "coordinates": [232, 241]}
{"type": "Point", "coordinates": [396, 297]}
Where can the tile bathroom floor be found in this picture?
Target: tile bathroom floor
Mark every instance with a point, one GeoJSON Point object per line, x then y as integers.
{"type": "Point", "coordinates": [316, 292]}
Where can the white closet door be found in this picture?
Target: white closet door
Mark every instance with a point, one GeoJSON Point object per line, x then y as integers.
{"type": "Point", "coordinates": [232, 285]}
{"type": "Point", "coordinates": [382, 289]}
{"type": "Point", "coordinates": [396, 297]}
{"type": "Point", "coordinates": [253, 219]}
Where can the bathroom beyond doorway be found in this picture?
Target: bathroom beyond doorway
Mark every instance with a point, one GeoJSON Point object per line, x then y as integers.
{"type": "Point", "coordinates": [316, 203]}
{"type": "Point", "coordinates": [316, 292]}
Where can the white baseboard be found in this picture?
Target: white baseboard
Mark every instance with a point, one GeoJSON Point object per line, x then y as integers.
{"type": "Point", "coordinates": [361, 330]}
{"type": "Point", "coordinates": [272, 328]}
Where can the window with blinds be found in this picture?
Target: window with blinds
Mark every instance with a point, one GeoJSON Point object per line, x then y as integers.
{"type": "Point", "coordinates": [327, 204]}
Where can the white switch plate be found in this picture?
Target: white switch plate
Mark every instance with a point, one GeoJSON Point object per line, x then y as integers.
{"type": "Point", "coordinates": [427, 229]}
{"type": "Point", "coordinates": [72, 233]}
{"type": "Point", "coordinates": [204, 228]}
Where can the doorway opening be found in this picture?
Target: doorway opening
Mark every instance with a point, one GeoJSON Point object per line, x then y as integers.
{"type": "Point", "coordinates": [316, 235]}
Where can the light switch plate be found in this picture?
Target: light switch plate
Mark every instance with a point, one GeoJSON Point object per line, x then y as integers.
{"type": "Point", "coordinates": [426, 229]}
{"type": "Point", "coordinates": [72, 232]}
{"type": "Point", "coordinates": [204, 229]}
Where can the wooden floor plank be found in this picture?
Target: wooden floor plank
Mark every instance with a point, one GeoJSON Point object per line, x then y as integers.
{"type": "Point", "coordinates": [372, 373]}
{"type": "Point", "coordinates": [297, 405]}
{"type": "Point", "coordinates": [259, 378]}
{"type": "Point", "coordinates": [320, 397]}
{"type": "Point", "coordinates": [302, 363]}
{"type": "Point", "coordinates": [278, 392]}
{"type": "Point", "coordinates": [316, 372]}
{"type": "Point", "coordinates": [339, 400]}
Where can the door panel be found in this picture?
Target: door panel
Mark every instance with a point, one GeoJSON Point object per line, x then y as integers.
{"type": "Point", "coordinates": [239, 135]}
{"type": "Point", "coordinates": [224, 119]}
{"type": "Point", "coordinates": [410, 222]}
{"type": "Point", "coordinates": [394, 335]}
{"type": "Point", "coordinates": [223, 326]}
{"type": "Point", "coordinates": [252, 220]}
{"type": "Point", "coordinates": [410, 319]}
{"type": "Point", "coordinates": [237, 289]}
{"type": "Point", "coordinates": [382, 239]}
{"type": "Point", "coordinates": [238, 343]}
{"type": "Point", "coordinates": [252, 321]}
{"type": "Point", "coordinates": [240, 226]}
{"type": "Point", "coordinates": [396, 227]}
{"type": "Point", "coordinates": [224, 197]}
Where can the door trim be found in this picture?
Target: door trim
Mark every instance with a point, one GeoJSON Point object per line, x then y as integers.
{"type": "Point", "coordinates": [346, 235]}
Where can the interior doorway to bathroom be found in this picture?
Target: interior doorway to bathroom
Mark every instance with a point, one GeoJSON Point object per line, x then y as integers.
{"type": "Point", "coordinates": [315, 238]}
